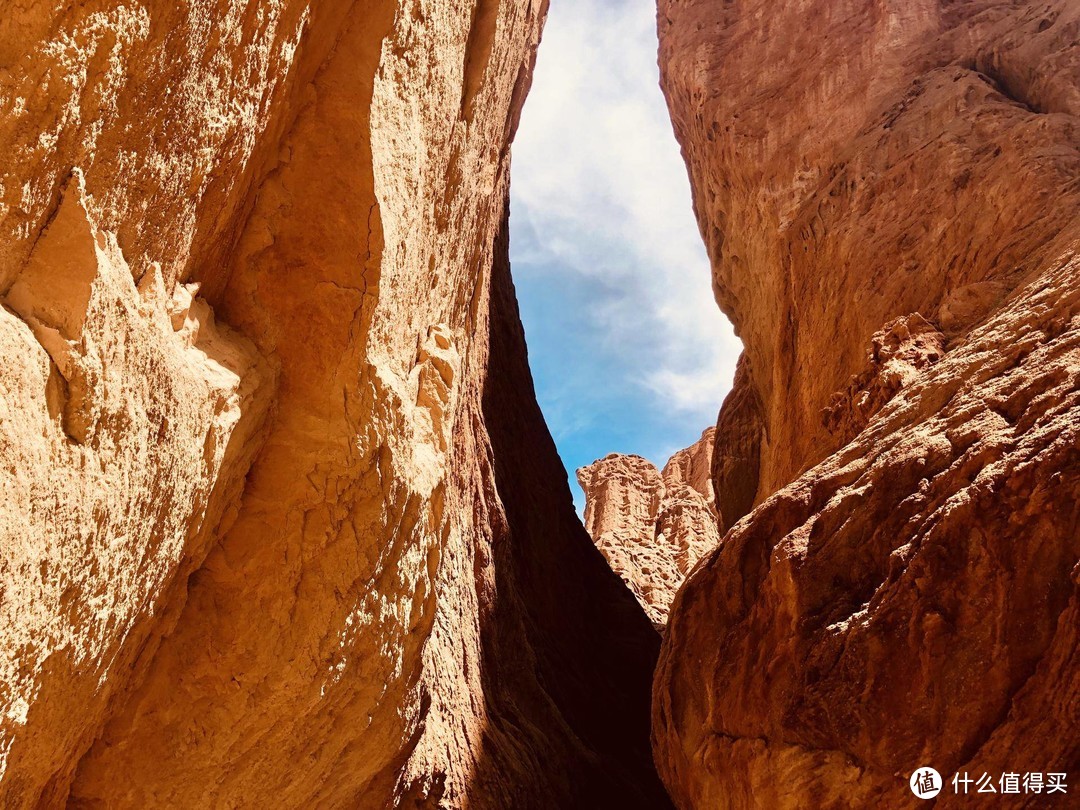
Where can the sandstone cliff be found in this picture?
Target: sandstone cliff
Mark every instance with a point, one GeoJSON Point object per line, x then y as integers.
{"type": "Point", "coordinates": [651, 526]}
{"type": "Point", "coordinates": [281, 523]}
{"type": "Point", "coordinates": [888, 193]}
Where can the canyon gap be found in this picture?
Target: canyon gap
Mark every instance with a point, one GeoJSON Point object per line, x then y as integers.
{"type": "Point", "coordinates": [283, 525]}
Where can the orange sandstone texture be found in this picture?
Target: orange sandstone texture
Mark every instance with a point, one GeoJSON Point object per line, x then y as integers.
{"type": "Point", "coordinates": [888, 193]}
{"type": "Point", "coordinates": [281, 522]}
{"type": "Point", "coordinates": [651, 526]}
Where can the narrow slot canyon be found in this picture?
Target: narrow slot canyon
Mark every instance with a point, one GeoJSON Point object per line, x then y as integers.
{"type": "Point", "coordinates": [630, 354]}
{"type": "Point", "coordinates": [292, 516]}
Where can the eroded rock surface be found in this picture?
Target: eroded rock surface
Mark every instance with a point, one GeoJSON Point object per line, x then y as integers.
{"type": "Point", "coordinates": [294, 561]}
{"type": "Point", "coordinates": [651, 526]}
{"type": "Point", "coordinates": [127, 421]}
{"type": "Point", "coordinates": [891, 214]}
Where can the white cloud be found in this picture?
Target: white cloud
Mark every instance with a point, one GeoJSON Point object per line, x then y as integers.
{"type": "Point", "coordinates": [600, 187]}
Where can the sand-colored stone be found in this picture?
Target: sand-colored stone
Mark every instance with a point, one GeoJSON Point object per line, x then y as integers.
{"type": "Point", "coordinates": [651, 526]}
{"type": "Point", "coordinates": [127, 421]}
{"type": "Point", "coordinates": [324, 556]}
{"type": "Point", "coordinates": [889, 198]}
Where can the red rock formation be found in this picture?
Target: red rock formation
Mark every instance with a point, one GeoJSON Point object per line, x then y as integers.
{"type": "Point", "coordinates": [324, 555]}
{"type": "Point", "coordinates": [898, 353]}
{"type": "Point", "coordinates": [652, 527]}
{"type": "Point", "coordinates": [913, 598]}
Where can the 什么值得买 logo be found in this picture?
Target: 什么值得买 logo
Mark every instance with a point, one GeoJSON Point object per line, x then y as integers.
{"type": "Point", "coordinates": [925, 782]}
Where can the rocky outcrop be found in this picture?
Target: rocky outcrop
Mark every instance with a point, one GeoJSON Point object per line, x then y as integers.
{"type": "Point", "coordinates": [651, 526]}
{"type": "Point", "coordinates": [891, 213]}
{"type": "Point", "coordinates": [898, 353]}
{"type": "Point", "coordinates": [281, 523]}
{"type": "Point", "coordinates": [128, 418]}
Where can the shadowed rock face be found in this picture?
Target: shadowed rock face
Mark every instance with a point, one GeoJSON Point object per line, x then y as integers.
{"type": "Point", "coordinates": [281, 523]}
{"type": "Point", "coordinates": [651, 526]}
{"type": "Point", "coordinates": [889, 197]}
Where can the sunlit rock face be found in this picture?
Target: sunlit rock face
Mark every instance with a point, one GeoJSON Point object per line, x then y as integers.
{"type": "Point", "coordinates": [281, 522]}
{"type": "Point", "coordinates": [888, 193]}
{"type": "Point", "coordinates": [651, 526]}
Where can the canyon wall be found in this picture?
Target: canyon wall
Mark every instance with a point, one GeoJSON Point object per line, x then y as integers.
{"type": "Point", "coordinates": [888, 192]}
{"type": "Point", "coordinates": [281, 522]}
{"type": "Point", "coordinates": [652, 526]}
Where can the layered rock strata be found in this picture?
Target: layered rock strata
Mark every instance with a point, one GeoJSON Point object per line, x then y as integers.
{"type": "Point", "coordinates": [891, 213]}
{"type": "Point", "coordinates": [651, 526]}
{"type": "Point", "coordinates": [281, 523]}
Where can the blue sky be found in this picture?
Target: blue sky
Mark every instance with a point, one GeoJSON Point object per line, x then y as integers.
{"type": "Point", "coordinates": [628, 348]}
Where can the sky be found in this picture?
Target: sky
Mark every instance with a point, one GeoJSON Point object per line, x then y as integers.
{"type": "Point", "coordinates": [628, 349]}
